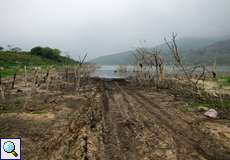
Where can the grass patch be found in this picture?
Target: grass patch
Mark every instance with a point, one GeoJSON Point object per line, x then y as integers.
{"type": "Point", "coordinates": [225, 81]}
{"type": "Point", "coordinates": [40, 112]}
{"type": "Point", "coordinates": [7, 72]}
{"type": "Point", "coordinates": [200, 105]}
{"type": "Point", "coordinates": [225, 104]}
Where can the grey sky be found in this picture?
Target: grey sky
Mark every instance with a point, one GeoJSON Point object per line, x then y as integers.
{"type": "Point", "coordinates": [103, 27]}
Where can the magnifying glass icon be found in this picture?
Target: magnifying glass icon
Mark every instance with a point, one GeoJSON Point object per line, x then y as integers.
{"type": "Point", "coordinates": [9, 147]}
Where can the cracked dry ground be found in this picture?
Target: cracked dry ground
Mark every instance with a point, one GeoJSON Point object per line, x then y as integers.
{"type": "Point", "coordinates": [115, 121]}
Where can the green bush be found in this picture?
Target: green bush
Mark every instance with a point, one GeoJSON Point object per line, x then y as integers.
{"type": "Point", "coordinates": [46, 52]}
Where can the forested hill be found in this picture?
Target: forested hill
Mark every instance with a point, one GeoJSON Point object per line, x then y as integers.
{"type": "Point", "coordinates": [193, 50]}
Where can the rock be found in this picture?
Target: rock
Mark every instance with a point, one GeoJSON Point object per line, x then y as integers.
{"type": "Point", "coordinates": [211, 113]}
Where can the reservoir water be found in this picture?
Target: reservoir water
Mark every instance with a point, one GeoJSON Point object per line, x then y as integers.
{"type": "Point", "coordinates": [111, 71]}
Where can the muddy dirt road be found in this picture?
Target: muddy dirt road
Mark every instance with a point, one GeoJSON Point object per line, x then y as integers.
{"type": "Point", "coordinates": [116, 121]}
{"type": "Point", "coordinates": [142, 125]}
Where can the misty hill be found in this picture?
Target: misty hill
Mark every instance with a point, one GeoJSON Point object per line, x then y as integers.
{"type": "Point", "coordinates": [115, 59]}
{"type": "Point", "coordinates": [190, 49]}
{"type": "Point", "coordinates": [219, 52]}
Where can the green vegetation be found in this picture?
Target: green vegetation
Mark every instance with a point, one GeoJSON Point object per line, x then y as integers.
{"type": "Point", "coordinates": [48, 53]}
{"type": "Point", "coordinates": [200, 105]}
{"type": "Point", "coordinates": [40, 112]}
{"type": "Point", "coordinates": [207, 105]}
{"type": "Point", "coordinates": [6, 72]}
{"type": "Point", "coordinates": [9, 71]}
{"type": "Point", "coordinates": [224, 81]}
{"type": "Point", "coordinates": [9, 58]}
{"type": "Point", "coordinates": [16, 59]}
{"type": "Point", "coordinates": [226, 104]}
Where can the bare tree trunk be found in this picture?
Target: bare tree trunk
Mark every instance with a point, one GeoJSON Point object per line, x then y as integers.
{"type": "Point", "coordinates": [175, 54]}
{"type": "Point", "coordinates": [78, 72]}
{"type": "Point", "coordinates": [2, 88]}
{"type": "Point", "coordinates": [0, 78]}
{"type": "Point", "coordinates": [161, 72]}
{"type": "Point", "coordinates": [34, 81]}
{"type": "Point", "coordinates": [66, 74]}
{"type": "Point", "coordinates": [75, 78]}
{"type": "Point", "coordinates": [2, 93]}
{"type": "Point", "coordinates": [14, 78]}
{"type": "Point", "coordinates": [47, 75]}
{"type": "Point", "coordinates": [157, 73]}
{"type": "Point", "coordinates": [25, 70]}
{"type": "Point", "coordinates": [79, 79]}
{"type": "Point", "coordinates": [201, 75]}
{"type": "Point", "coordinates": [47, 84]}
{"type": "Point", "coordinates": [47, 78]}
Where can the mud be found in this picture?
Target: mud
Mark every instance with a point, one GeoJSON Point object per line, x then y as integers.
{"type": "Point", "coordinates": [111, 120]}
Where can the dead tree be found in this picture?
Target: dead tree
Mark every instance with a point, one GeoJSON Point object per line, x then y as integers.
{"type": "Point", "coordinates": [47, 75]}
{"type": "Point", "coordinates": [48, 78]}
{"type": "Point", "coordinates": [25, 76]}
{"type": "Point", "coordinates": [34, 80]}
{"type": "Point", "coordinates": [14, 78]}
{"type": "Point", "coordinates": [0, 77]}
{"type": "Point", "coordinates": [140, 57]}
{"type": "Point", "coordinates": [67, 74]}
{"type": "Point", "coordinates": [150, 59]}
{"type": "Point", "coordinates": [161, 67]}
{"type": "Point", "coordinates": [140, 60]}
{"type": "Point", "coordinates": [2, 92]}
{"type": "Point", "coordinates": [157, 64]}
{"type": "Point", "coordinates": [77, 72]}
{"type": "Point", "coordinates": [175, 54]}
{"type": "Point", "coordinates": [178, 62]}
{"type": "Point", "coordinates": [177, 58]}
{"type": "Point", "coordinates": [2, 89]}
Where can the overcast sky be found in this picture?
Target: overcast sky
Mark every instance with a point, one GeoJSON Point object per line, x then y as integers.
{"type": "Point", "coordinates": [103, 27]}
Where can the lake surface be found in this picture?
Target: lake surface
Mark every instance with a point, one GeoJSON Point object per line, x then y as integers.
{"type": "Point", "coordinates": [111, 71]}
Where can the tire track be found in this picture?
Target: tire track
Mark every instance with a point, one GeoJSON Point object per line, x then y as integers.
{"type": "Point", "coordinates": [143, 127]}
{"type": "Point", "coordinates": [158, 142]}
{"type": "Point", "coordinates": [181, 131]}
{"type": "Point", "coordinates": [125, 133]}
{"type": "Point", "coordinates": [112, 146]}
{"type": "Point", "coordinates": [192, 133]}
{"type": "Point", "coordinates": [176, 127]}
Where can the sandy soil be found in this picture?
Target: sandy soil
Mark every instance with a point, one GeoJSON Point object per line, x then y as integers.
{"type": "Point", "coordinates": [112, 120]}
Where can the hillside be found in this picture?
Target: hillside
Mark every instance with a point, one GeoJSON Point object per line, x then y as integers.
{"type": "Point", "coordinates": [12, 58]}
{"type": "Point", "coordinates": [187, 46]}
{"type": "Point", "coordinates": [115, 59]}
{"type": "Point", "coordinates": [219, 52]}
